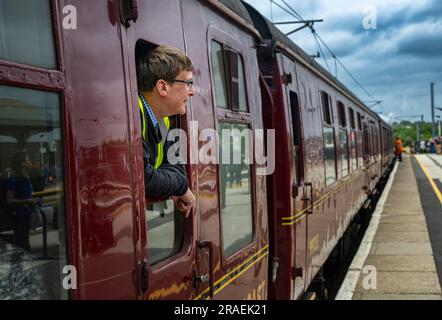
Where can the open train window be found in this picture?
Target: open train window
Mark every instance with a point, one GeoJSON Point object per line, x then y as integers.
{"type": "Point", "coordinates": [228, 77]}
{"type": "Point", "coordinates": [359, 121]}
{"type": "Point", "coordinates": [327, 112]}
{"type": "Point", "coordinates": [351, 116]}
{"type": "Point", "coordinates": [341, 114]}
{"type": "Point", "coordinates": [297, 135]}
{"type": "Point", "coordinates": [164, 224]}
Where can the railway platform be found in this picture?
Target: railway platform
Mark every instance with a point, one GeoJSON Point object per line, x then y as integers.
{"type": "Point", "coordinates": [400, 256]}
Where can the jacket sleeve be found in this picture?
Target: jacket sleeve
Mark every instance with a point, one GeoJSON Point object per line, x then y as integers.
{"type": "Point", "coordinates": [168, 180]}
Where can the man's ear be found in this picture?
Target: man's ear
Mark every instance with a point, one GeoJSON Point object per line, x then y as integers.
{"type": "Point", "coordinates": [162, 88]}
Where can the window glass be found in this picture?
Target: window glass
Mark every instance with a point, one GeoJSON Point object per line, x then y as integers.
{"type": "Point", "coordinates": [353, 150]}
{"type": "Point", "coordinates": [229, 78]}
{"type": "Point", "coordinates": [344, 152]}
{"type": "Point", "coordinates": [164, 230]}
{"type": "Point", "coordinates": [32, 216]}
{"type": "Point", "coordinates": [219, 75]}
{"type": "Point", "coordinates": [236, 186]}
{"type": "Point", "coordinates": [242, 86]}
{"type": "Point", "coordinates": [26, 33]}
{"type": "Point", "coordinates": [329, 156]}
{"type": "Point", "coordinates": [361, 148]}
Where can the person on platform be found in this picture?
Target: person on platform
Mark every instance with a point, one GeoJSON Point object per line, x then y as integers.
{"type": "Point", "coordinates": [398, 148]}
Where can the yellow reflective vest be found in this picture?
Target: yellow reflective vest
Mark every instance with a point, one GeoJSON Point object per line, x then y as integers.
{"type": "Point", "coordinates": [160, 145]}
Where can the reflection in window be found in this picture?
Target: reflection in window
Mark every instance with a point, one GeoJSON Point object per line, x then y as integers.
{"type": "Point", "coordinates": [219, 76]}
{"type": "Point", "coordinates": [32, 215]}
{"type": "Point", "coordinates": [344, 152]}
{"type": "Point", "coordinates": [353, 150]}
{"type": "Point", "coordinates": [164, 231]}
{"type": "Point", "coordinates": [242, 92]}
{"type": "Point", "coordinates": [26, 33]}
{"type": "Point", "coordinates": [329, 156]}
{"type": "Point", "coordinates": [236, 187]}
{"type": "Point", "coordinates": [229, 78]}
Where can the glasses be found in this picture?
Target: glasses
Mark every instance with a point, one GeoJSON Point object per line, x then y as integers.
{"type": "Point", "coordinates": [189, 83]}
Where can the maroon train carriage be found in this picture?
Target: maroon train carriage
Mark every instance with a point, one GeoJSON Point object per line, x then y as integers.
{"type": "Point", "coordinates": [330, 145]}
{"type": "Point", "coordinates": [71, 103]}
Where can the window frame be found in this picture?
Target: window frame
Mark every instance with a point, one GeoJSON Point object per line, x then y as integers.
{"type": "Point", "coordinates": [227, 48]}
{"type": "Point", "coordinates": [20, 75]}
{"type": "Point", "coordinates": [328, 122]}
{"type": "Point", "coordinates": [231, 115]}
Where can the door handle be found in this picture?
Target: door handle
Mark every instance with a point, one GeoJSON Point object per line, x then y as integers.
{"type": "Point", "coordinates": [208, 244]}
{"type": "Point", "coordinates": [144, 272]}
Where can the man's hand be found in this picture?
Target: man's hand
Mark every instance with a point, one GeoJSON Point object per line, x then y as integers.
{"type": "Point", "coordinates": [185, 202]}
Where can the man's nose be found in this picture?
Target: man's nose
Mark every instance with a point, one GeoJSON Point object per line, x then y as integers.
{"type": "Point", "coordinates": [192, 92]}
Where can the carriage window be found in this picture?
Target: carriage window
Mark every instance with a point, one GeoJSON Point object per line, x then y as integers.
{"type": "Point", "coordinates": [229, 78]}
{"type": "Point", "coordinates": [219, 76]}
{"type": "Point", "coordinates": [341, 114]}
{"type": "Point", "coordinates": [344, 152]}
{"type": "Point", "coordinates": [164, 230]}
{"type": "Point", "coordinates": [353, 140]}
{"type": "Point", "coordinates": [164, 224]}
{"type": "Point", "coordinates": [327, 112]}
{"type": "Point", "coordinates": [329, 155]}
{"type": "Point", "coordinates": [353, 150]}
{"type": "Point", "coordinates": [236, 186]}
{"type": "Point", "coordinates": [26, 33]}
{"type": "Point", "coordinates": [32, 216]}
{"type": "Point", "coordinates": [296, 129]}
{"type": "Point", "coordinates": [351, 116]}
{"type": "Point", "coordinates": [359, 121]}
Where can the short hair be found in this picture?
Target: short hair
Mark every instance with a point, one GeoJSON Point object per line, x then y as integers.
{"type": "Point", "coordinates": [162, 62]}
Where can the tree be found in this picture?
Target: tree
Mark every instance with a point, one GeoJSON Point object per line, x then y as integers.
{"type": "Point", "coordinates": [406, 130]}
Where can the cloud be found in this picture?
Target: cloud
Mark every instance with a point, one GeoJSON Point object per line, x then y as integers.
{"type": "Point", "coordinates": [395, 63]}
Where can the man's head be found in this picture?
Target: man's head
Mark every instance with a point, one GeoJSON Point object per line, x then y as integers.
{"type": "Point", "coordinates": [164, 76]}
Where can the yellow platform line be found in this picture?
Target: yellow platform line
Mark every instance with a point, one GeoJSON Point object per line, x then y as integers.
{"type": "Point", "coordinates": [435, 188]}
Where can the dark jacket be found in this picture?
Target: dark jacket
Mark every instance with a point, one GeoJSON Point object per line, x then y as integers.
{"type": "Point", "coordinates": [169, 179]}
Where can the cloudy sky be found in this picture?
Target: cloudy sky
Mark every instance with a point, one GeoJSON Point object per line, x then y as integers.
{"type": "Point", "coordinates": [394, 62]}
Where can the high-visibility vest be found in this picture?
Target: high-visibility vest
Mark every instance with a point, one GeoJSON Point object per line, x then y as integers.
{"type": "Point", "coordinates": [163, 125]}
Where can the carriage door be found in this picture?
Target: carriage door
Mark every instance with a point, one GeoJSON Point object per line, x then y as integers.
{"type": "Point", "coordinates": [300, 190]}
{"type": "Point", "coordinates": [165, 239]}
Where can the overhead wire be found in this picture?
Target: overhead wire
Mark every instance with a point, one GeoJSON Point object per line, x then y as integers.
{"type": "Point", "coordinates": [296, 15]}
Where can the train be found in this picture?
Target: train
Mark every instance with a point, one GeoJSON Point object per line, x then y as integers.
{"type": "Point", "coordinates": [68, 97]}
